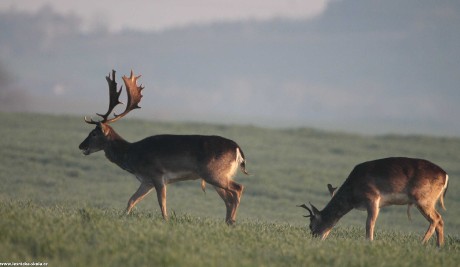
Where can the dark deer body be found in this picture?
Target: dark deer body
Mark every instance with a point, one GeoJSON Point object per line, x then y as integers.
{"type": "Point", "coordinates": [159, 160]}
{"type": "Point", "coordinates": [379, 183]}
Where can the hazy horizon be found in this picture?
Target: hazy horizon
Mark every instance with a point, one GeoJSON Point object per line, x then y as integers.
{"type": "Point", "coordinates": [357, 66]}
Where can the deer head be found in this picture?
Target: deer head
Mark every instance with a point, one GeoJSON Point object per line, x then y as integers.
{"type": "Point", "coordinates": [317, 228]}
{"type": "Point", "coordinates": [97, 138]}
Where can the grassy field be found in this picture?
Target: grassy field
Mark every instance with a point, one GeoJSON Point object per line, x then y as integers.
{"type": "Point", "coordinates": [87, 236]}
{"type": "Point", "coordinates": [61, 207]}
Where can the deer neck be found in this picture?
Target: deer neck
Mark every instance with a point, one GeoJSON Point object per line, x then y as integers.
{"type": "Point", "coordinates": [339, 205]}
{"type": "Point", "coordinates": [116, 149]}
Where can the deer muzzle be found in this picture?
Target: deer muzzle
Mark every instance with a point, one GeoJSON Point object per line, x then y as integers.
{"type": "Point", "coordinates": [84, 148]}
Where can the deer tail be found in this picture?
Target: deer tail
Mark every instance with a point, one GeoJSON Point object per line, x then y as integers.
{"type": "Point", "coordinates": [241, 160]}
{"type": "Point", "coordinates": [443, 194]}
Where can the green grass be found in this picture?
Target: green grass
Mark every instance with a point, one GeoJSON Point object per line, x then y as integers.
{"type": "Point", "coordinates": [61, 207]}
{"type": "Point", "coordinates": [88, 236]}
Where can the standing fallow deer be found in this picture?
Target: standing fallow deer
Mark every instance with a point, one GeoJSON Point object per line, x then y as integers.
{"type": "Point", "coordinates": [159, 160]}
{"type": "Point", "coordinates": [378, 183]}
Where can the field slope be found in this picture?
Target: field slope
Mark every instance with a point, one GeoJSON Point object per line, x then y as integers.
{"type": "Point", "coordinates": [61, 207]}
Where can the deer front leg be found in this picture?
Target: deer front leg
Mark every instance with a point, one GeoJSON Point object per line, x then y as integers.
{"type": "Point", "coordinates": [372, 214]}
{"type": "Point", "coordinates": [141, 192]}
{"type": "Point", "coordinates": [161, 195]}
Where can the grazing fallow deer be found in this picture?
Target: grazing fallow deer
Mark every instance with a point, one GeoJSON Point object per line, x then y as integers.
{"type": "Point", "coordinates": [332, 191]}
{"type": "Point", "coordinates": [378, 183]}
{"type": "Point", "coordinates": [159, 160]}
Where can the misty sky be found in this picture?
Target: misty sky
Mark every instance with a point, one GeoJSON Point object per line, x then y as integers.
{"type": "Point", "coordinates": [356, 65]}
{"type": "Point", "coordinates": [161, 15]}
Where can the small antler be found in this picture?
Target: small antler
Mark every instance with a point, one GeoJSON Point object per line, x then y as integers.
{"type": "Point", "coordinates": [305, 207]}
{"type": "Point", "coordinates": [134, 97]}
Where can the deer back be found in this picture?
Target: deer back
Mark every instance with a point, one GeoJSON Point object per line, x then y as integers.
{"type": "Point", "coordinates": [182, 153]}
{"type": "Point", "coordinates": [397, 181]}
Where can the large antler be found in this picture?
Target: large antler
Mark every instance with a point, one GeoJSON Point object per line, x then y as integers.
{"type": "Point", "coordinates": [134, 97]}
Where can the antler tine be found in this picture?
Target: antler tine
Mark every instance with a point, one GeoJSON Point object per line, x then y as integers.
{"type": "Point", "coordinates": [305, 207]}
{"type": "Point", "coordinates": [114, 96]}
{"type": "Point", "coordinates": [90, 121]}
{"type": "Point", "coordinates": [134, 95]}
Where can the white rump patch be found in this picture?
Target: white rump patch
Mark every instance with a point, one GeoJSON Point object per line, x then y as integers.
{"type": "Point", "coordinates": [447, 181]}
{"type": "Point", "coordinates": [239, 157]}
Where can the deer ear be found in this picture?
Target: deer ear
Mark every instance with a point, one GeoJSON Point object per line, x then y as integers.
{"type": "Point", "coordinates": [104, 128]}
{"type": "Point", "coordinates": [331, 189]}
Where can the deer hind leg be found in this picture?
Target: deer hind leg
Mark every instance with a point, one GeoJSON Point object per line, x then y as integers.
{"type": "Point", "coordinates": [436, 223]}
{"type": "Point", "coordinates": [231, 195]}
{"type": "Point", "coordinates": [228, 199]}
{"type": "Point", "coordinates": [439, 231]}
{"type": "Point", "coordinates": [236, 195]}
{"type": "Point", "coordinates": [372, 214]}
{"type": "Point", "coordinates": [141, 192]}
